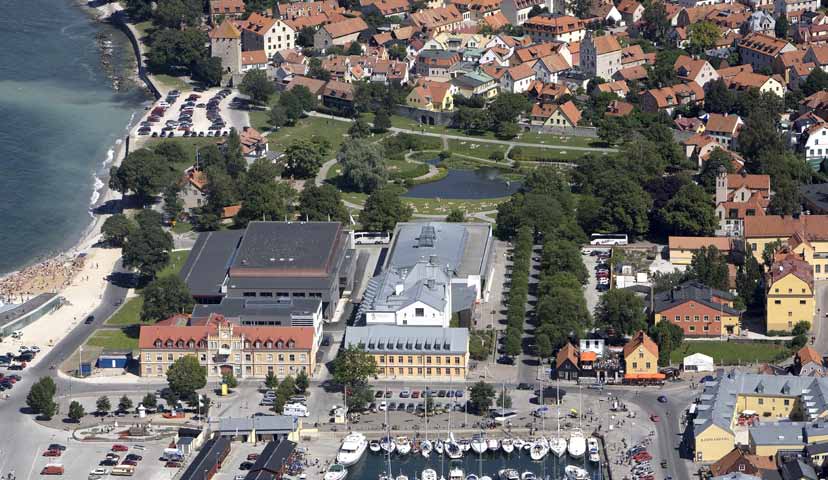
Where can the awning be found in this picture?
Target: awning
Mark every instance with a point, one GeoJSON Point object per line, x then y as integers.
{"type": "Point", "coordinates": [644, 376]}
{"type": "Point", "coordinates": [588, 356]}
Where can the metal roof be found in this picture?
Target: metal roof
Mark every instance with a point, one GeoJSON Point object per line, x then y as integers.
{"type": "Point", "coordinates": [405, 339]}
{"type": "Point", "coordinates": [206, 266]}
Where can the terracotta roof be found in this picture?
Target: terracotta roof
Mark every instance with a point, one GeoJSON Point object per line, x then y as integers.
{"type": "Point", "coordinates": [335, 88]}
{"type": "Point", "coordinates": [314, 85]}
{"type": "Point", "coordinates": [258, 23]}
{"type": "Point", "coordinates": [717, 122]}
{"type": "Point", "coordinates": [763, 44]}
{"type": "Point", "coordinates": [605, 44]}
{"type": "Point", "coordinates": [524, 70]}
{"type": "Point", "coordinates": [568, 352]}
{"type": "Point", "coordinates": [695, 243]}
{"type": "Point", "coordinates": [535, 52]}
{"type": "Point", "coordinates": [813, 227]}
{"type": "Point", "coordinates": [299, 23]}
{"type": "Point", "coordinates": [688, 68]}
{"type": "Point", "coordinates": [632, 54]}
{"type": "Point", "coordinates": [521, 4]}
{"type": "Point", "coordinates": [669, 96]}
{"type": "Point", "coordinates": [571, 111]}
{"type": "Point", "coordinates": [730, 72]}
{"type": "Point", "coordinates": [740, 209]}
{"type": "Point", "coordinates": [640, 339]}
{"type": "Point", "coordinates": [807, 355]}
{"type": "Point", "coordinates": [306, 9]}
{"type": "Point", "coordinates": [496, 21]}
{"type": "Point", "coordinates": [628, 6]}
{"type": "Point", "coordinates": [789, 59]}
{"type": "Point", "coordinates": [230, 211]}
{"type": "Point", "coordinates": [254, 57]}
{"type": "Point", "coordinates": [618, 87]}
{"type": "Point", "coordinates": [746, 80]}
{"type": "Point", "coordinates": [225, 30]}
{"type": "Point", "coordinates": [224, 7]}
{"type": "Point", "coordinates": [727, 464]}
{"type": "Point", "coordinates": [632, 73]}
{"type": "Point", "coordinates": [436, 17]}
{"type": "Point", "coordinates": [753, 181]}
{"type": "Point", "coordinates": [792, 265]}
{"type": "Point", "coordinates": [644, 376]}
{"type": "Point", "coordinates": [302, 337]}
{"type": "Point", "coordinates": [197, 178]}
{"type": "Point", "coordinates": [558, 25]}
{"type": "Point", "coordinates": [617, 108]}
{"type": "Point", "coordinates": [346, 27]}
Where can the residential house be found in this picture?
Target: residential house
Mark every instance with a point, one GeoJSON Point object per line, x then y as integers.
{"type": "Point", "coordinates": [787, 62]}
{"type": "Point", "coordinates": [253, 144]}
{"type": "Point", "coordinates": [682, 249]}
{"type": "Point", "coordinates": [631, 74]}
{"type": "Point", "coordinates": [563, 28]}
{"type": "Point", "coordinates": [565, 115]}
{"type": "Point", "coordinates": [815, 145]}
{"type": "Point", "coordinates": [739, 460]}
{"type": "Point", "coordinates": [797, 469]}
{"type": "Point", "coordinates": [762, 22]}
{"type": "Point", "coordinates": [695, 70]}
{"type": "Point", "coordinates": [631, 11]}
{"type": "Point", "coordinates": [813, 33]}
{"type": "Point", "coordinates": [517, 11]}
{"type": "Point", "coordinates": [226, 44]}
{"type": "Point", "coordinates": [341, 33]}
{"type": "Point", "coordinates": [633, 56]}
{"type": "Point", "coordinates": [388, 8]}
{"type": "Point", "coordinates": [548, 92]}
{"type": "Point", "coordinates": [739, 196]}
{"type": "Point", "coordinates": [793, 9]}
{"type": "Point", "coordinates": [668, 98]}
{"type": "Point", "coordinates": [600, 55]}
{"type": "Point", "coordinates": [432, 96]}
{"type": "Point", "coordinates": [760, 50]}
{"type": "Point", "coordinates": [294, 10]}
{"type": "Point", "coordinates": [688, 124]}
{"type": "Point", "coordinates": [724, 129]}
{"type": "Point", "coordinates": [435, 63]}
{"type": "Point", "coordinates": [618, 87]}
{"type": "Point", "coordinates": [535, 52]}
{"type": "Point", "coordinates": [805, 235]}
{"type": "Point", "coordinates": [699, 310]}
{"type": "Point", "coordinates": [266, 33]}
{"type": "Point", "coordinates": [517, 79]}
{"type": "Point", "coordinates": [435, 20]}
{"type": "Point", "coordinates": [476, 84]}
{"type": "Point", "coordinates": [497, 56]}
{"type": "Point", "coordinates": [790, 295]}
{"type": "Point", "coordinates": [818, 55]}
{"type": "Point", "coordinates": [226, 9]}
{"type": "Point", "coordinates": [641, 360]}
{"type": "Point", "coordinates": [566, 363]}
{"type": "Point", "coordinates": [193, 189]}
{"type": "Point", "coordinates": [548, 68]}
{"type": "Point", "coordinates": [338, 96]}
{"type": "Point", "coordinates": [604, 12]}
{"type": "Point", "coordinates": [617, 108]}
{"type": "Point", "coordinates": [496, 21]}
{"type": "Point", "coordinates": [315, 86]}
{"type": "Point", "coordinates": [808, 363]}
{"type": "Point", "coordinates": [765, 84]}
{"type": "Point", "coordinates": [254, 60]}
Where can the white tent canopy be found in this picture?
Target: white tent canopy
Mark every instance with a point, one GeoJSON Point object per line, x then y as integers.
{"type": "Point", "coordinates": [698, 362]}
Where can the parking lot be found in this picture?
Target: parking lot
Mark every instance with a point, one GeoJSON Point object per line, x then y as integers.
{"type": "Point", "coordinates": [81, 458]}
{"type": "Point", "coordinates": [596, 260]}
{"type": "Point", "coordinates": [207, 113]}
{"type": "Point", "coordinates": [242, 456]}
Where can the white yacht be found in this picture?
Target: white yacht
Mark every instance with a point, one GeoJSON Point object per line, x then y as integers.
{"type": "Point", "coordinates": [465, 445]}
{"type": "Point", "coordinates": [429, 474]}
{"type": "Point", "coordinates": [539, 449]}
{"type": "Point", "coordinates": [456, 474]}
{"type": "Point", "coordinates": [527, 475]}
{"type": "Point", "coordinates": [493, 444]}
{"type": "Point", "coordinates": [453, 450]}
{"type": "Point", "coordinates": [508, 445]}
{"type": "Point", "coordinates": [479, 444]}
{"type": "Point", "coordinates": [508, 474]}
{"type": "Point", "coordinates": [374, 446]}
{"type": "Point", "coordinates": [336, 471]}
{"type": "Point", "coordinates": [577, 444]}
{"type": "Point", "coordinates": [387, 444]}
{"type": "Point", "coordinates": [558, 446]}
{"type": "Point", "coordinates": [352, 449]}
{"type": "Point", "coordinates": [485, 477]}
{"type": "Point", "coordinates": [574, 472]}
{"type": "Point", "coordinates": [592, 448]}
{"type": "Point", "coordinates": [518, 443]}
{"type": "Point", "coordinates": [403, 445]}
{"type": "Point", "coordinates": [401, 477]}
{"type": "Point", "coordinates": [438, 447]}
{"type": "Point", "coordinates": [426, 448]}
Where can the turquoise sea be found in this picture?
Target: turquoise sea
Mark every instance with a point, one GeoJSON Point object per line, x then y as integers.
{"type": "Point", "coordinates": [59, 120]}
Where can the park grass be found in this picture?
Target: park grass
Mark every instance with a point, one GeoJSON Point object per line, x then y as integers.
{"type": "Point", "coordinates": [259, 119]}
{"type": "Point", "coordinates": [171, 82]}
{"type": "Point", "coordinates": [535, 154]}
{"type": "Point", "coordinates": [442, 206]}
{"type": "Point", "coordinates": [474, 149]}
{"type": "Point", "coordinates": [331, 130]}
{"type": "Point", "coordinates": [731, 353]}
{"type": "Point", "coordinates": [182, 227]}
{"type": "Point", "coordinates": [551, 139]}
{"type": "Point", "coordinates": [114, 339]}
{"type": "Point", "coordinates": [144, 29]}
{"type": "Point", "coordinates": [403, 170]}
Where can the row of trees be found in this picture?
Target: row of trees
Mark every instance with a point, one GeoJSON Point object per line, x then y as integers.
{"type": "Point", "coordinates": [518, 291]}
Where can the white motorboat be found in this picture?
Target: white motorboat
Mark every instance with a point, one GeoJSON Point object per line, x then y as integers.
{"type": "Point", "coordinates": [401, 477]}
{"type": "Point", "coordinates": [426, 448]}
{"type": "Point", "coordinates": [352, 449]}
{"type": "Point", "coordinates": [387, 444]}
{"type": "Point", "coordinates": [574, 472]}
{"type": "Point", "coordinates": [592, 448]}
{"type": "Point", "coordinates": [485, 477]}
{"type": "Point", "coordinates": [539, 449]}
{"type": "Point", "coordinates": [577, 444]}
{"type": "Point", "coordinates": [383, 476]}
{"type": "Point", "coordinates": [438, 447]}
{"type": "Point", "coordinates": [493, 444]}
{"type": "Point", "coordinates": [508, 445]}
{"type": "Point", "coordinates": [429, 474]}
{"type": "Point", "coordinates": [453, 450]}
{"type": "Point", "coordinates": [508, 474]}
{"type": "Point", "coordinates": [456, 474]}
{"type": "Point", "coordinates": [465, 445]}
{"type": "Point", "coordinates": [518, 443]}
{"type": "Point", "coordinates": [403, 445]}
{"type": "Point", "coordinates": [558, 446]}
{"type": "Point", "coordinates": [471, 476]}
{"type": "Point", "coordinates": [374, 446]}
{"type": "Point", "coordinates": [336, 471]}
{"type": "Point", "coordinates": [527, 475]}
{"type": "Point", "coordinates": [479, 444]}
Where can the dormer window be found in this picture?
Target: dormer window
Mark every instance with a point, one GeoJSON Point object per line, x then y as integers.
{"type": "Point", "coordinates": [159, 343]}
{"type": "Point", "coordinates": [268, 344]}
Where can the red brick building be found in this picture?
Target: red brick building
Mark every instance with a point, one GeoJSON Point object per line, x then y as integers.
{"type": "Point", "coordinates": [699, 310]}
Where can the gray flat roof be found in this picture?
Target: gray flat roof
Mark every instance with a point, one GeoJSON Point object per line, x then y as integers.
{"type": "Point", "coordinates": [16, 312]}
{"type": "Point", "coordinates": [462, 247]}
{"type": "Point", "coordinates": [286, 283]}
{"type": "Point", "coordinates": [403, 339]}
{"type": "Point", "coordinates": [279, 309]}
{"type": "Point", "coordinates": [263, 423]}
{"type": "Point", "coordinates": [206, 267]}
{"type": "Point", "coordinates": [288, 245]}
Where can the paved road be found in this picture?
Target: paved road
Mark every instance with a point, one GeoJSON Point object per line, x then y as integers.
{"type": "Point", "coordinates": [820, 326]}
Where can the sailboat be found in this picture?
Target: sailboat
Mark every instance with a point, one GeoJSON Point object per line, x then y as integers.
{"type": "Point", "coordinates": [465, 444]}
{"type": "Point", "coordinates": [574, 472]}
{"type": "Point", "coordinates": [472, 476]}
{"type": "Point", "coordinates": [527, 475]}
{"type": "Point", "coordinates": [540, 448]}
{"type": "Point", "coordinates": [401, 477]}
{"type": "Point", "coordinates": [438, 447]}
{"type": "Point", "coordinates": [577, 444]}
{"type": "Point", "coordinates": [403, 445]}
{"type": "Point", "coordinates": [426, 448]}
{"type": "Point", "coordinates": [592, 447]}
{"type": "Point", "coordinates": [508, 445]}
{"type": "Point", "coordinates": [493, 444]}
{"type": "Point", "coordinates": [452, 449]}
{"type": "Point", "coordinates": [508, 474]}
{"type": "Point", "coordinates": [374, 446]}
{"type": "Point", "coordinates": [456, 474]}
{"type": "Point", "coordinates": [557, 443]}
{"type": "Point", "coordinates": [518, 443]}
{"type": "Point", "coordinates": [387, 444]}
{"type": "Point", "coordinates": [478, 443]}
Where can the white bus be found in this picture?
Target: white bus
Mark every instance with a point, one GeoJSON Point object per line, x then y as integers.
{"type": "Point", "coordinates": [608, 239]}
{"type": "Point", "coordinates": [372, 238]}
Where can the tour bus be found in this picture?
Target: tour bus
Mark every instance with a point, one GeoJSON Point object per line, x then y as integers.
{"type": "Point", "coordinates": [295, 410]}
{"type": "Point", "coordinates": [608, 239]}
{"type": "Point", "coordinates": [372, 238]}
{"type": "Point", "coordinates": [123, 471]}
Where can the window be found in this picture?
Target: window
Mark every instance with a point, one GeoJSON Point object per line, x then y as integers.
{"type": "Point", "coordinates": [817, 267]}
{"type": "Point", "coordinates": [169, 357]}
{"type": "Point", "coordinates": [692, 328]}
{"type": "Point", "coordinates": [707, 318]}
{"type": "Point", "coordinates": [390, 358]}
{"type": "Point", "coordinates": [678, 318]}
{"type": "Point", "coordinates": [400, 359]}
{"type": "Point", "coordinates": [410, 359]}
{"type": "Point", "coordinates": [419, 312]}
{"type": "Point", "coordinates": [718, 318]}
{"type": "Point", "coordinates": [382, 358]}
{"type": "Point", "coordinates": [147, 357]}
{"type": "Point", "coordinates": [802, 302]}
{"type": "Point", "coordinates": [687, 318]}
{"type": "Point", "coordinates": [635, 364]}
{"type": "Point", "coordinates": [761, 401]}
{"type": "Point", "coordinates": [265, 294]}
{"type": "Point", "coordinates": [787, 402]}
{"type": "Point", "coordinates": [648, 365]}
{"type": "Point", "coordinates": [664, 318]}
{"type": "Point", "coordinates": [292, 357]}
{"type": "Point", "coordinates": [269, 357]}
{"type": "Point", "coordinates": [695, 318]}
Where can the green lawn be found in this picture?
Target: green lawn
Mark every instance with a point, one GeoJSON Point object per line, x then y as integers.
{"type": "Point", "coordinates": [177, 260]}
{"type": "Point", "coordinates": [170, 82]}
{"type": "Point", "coordinates": [402, 170]}
{"type": "Point", "coordinates": [534, 154]}
{"type": "Point", "coordinates": [332, 130]}
{"type": "Point", "coordinates": [128, 314]}
{"type": "Point", "coordinates": [476, 149]}
{"type": "Point", "coordinates": [258, 119]}
{"type": "Point", "coordinates": [182, 227]}
{"type": "Point", "coordinates": [731, 353]}
{"type": "Point", "coordinates": [114, 339]}
{"type": "Point", "coordinates": [549, 139]}
{"type": "Point", "coordinates": [399, 121]}
{"type": "Point", "coordinates": [439, 206]}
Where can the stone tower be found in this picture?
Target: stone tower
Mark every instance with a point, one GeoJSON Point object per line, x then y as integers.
{"type": "Point", "coordinates": [721, 185]}
{"type": "Point", "coordinates": [225, 43]}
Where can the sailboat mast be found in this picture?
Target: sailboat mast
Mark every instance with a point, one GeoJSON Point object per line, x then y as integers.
{"type": "Point", "coordinates": [388, 433]}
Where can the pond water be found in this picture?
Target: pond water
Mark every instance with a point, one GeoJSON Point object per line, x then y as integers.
{"type": "Point", "coordinates": [478, 184]}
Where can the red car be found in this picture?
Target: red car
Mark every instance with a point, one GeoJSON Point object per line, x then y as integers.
{"type": "Point", "coordinates": [172, 464]}
{"type": "Point", "coordinates": [120, 448]}
{"type": "Point", "coordinates": [415, 394]}
{"type": "Point", "coordinates": [655, 418]}
{"type": "Point", "coordinates": [642, 457]}
{"type": "Point", "coordinates": [253, 456]}
{"type": "Point", "coordinates": [130, 462]}
{"type": "Point", "coordinates": [52, 453]}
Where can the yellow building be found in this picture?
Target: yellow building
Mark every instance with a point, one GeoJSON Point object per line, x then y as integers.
{"type": "Point", "coordinates": [432, 96]}
{"type": "Point", "coordinates": [223, 347]}
{"type": "Point", "coordinates": [806, 235]}
{"type": "Point", "coordinates": [683, 248]}
{"type": "Point", "coordinates": [641, 359]}
{"type": "Point", "coordinates": [414, 352]}
{"type": "Point", "coordinates": [790, 297]}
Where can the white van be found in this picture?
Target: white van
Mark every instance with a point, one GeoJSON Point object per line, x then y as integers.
{"type": "Point", "coordinates": [18, 334]}
{"type": "Point", "coordinates": [295, 410]}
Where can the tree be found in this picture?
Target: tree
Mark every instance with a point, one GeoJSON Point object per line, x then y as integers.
{"type": "Point", "coordinates": [150, 401]}
{"type": "Point", "coordinates": [456, 215]}
{"type": "Point", "coordinates": [363, 166]}
{"type": "Point", "coordinates": [173, 206]}
{"type": "Point", "coordinates": [563, 256]}
{"type": "Point", "coordinates": [655, 24]}
{"type": "Point", "coordinates": [76, 411]}
{"type": "Point", "coordinates": [508, 107]}
{"type": "Point", "coordinates": [268, 201]}
{"type": "Point", "coordinates": [320, 204]}
{"type": "Point", "coordinates": [277, 117]}
{"type": "Point", "coordinates": [317, 71]}
{"type": "Point", "coordinates": [302, 159]}
{"type": "Point", "coordinates": [165, 297]}
{"type": "Point", "coordinates": [305, 37]}
{"type": "Point", "coordinates": [507, 130]}
{"type": "Point", "coordinates": [689, 213]}
{"type": "Point", "coordinates": [354, 366]}
{"type": "Point", "coordinates": [749, 284]}
{"type": "Point", "coordinates": [543, 347]}
{"type": "Point", "coordinates": [235, 164]}
{"type": "Point", "coordinates": [710, 169]}
{"type": "Point", "coordinates": [701, 36]}
{"type": "Point", "coordinates": [256, 85]}
{"type": "Point", "coordinates": [504, 400]}
{"type": "Point", "coordinates": [668, 336]}
{"type": "Point", "coordinates": [124, 404]}
{"type": "Point", "coordinates": [185, 376]}
{"type": "Point", "coordinates": [562, 313]}
{"type": "Point", "coordinates": [173, 50]}
{"type": "Point", "coordinates": [147, 249]}
{"type": "Point", "coordinates": [230, 380]}
{"type": "Point", "coordinates": [769, 251]}
{"type": "Point", "coordinates": [142, 172]}
{"type": "Point", "coordinates": [709, 267]}
{"type": "Point", "coordinates": [787, 200]}
{"type": "Point", "coordinates": [116, 229]}
{"type": "Point", "coordinates": [719, 98]}
{"type": "Point", "coordinates": [817, 81]}
{"type": "Point", "coordinates": [207, 70]}
{"type": "Point", "coordinates": [383, 210]}
{"type": "Point", "coordinates": [512, 344]}
{"type": "Point", "coordinates": [622, 310]}
{"type": "Point", "coordinates": [41, 397]}
{"type": "Point", "coordinates": [302, 381]}
{"type": "Point", "coordinates": [359, 129]}
{"type": "Point", "coordinates": [354, 49]}
{"type": "Point", "coordinates": [382, 121]}
{"type": "Point", "coordinates": [102, 405]}
{"type": "Point", "coordinates": [781, 27]}
{"type": "Point", "coordinates": [271, 381]}
{"type": "Point", "coordinates": [802, 327]}
{"type": "Point", "coordinates": [625, 207]}
{"type": "Point", "coordinates": [579, 8]}
{"type": "Point", "coordinates": [359, 397]}
{"type": "Point", "coordinates": [481, 396]}
{"type": "Point", "coordinates": [171, 13]}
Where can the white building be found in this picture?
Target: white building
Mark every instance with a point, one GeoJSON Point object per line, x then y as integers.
{"type": "Point", "coordinates": [698, 362]}
{"type": "Point", "coordinates": [595, 345]}
{"type": "Point", "coordinates": [419, 297]}
{"type": "Point", "coordinates": [816, 144]}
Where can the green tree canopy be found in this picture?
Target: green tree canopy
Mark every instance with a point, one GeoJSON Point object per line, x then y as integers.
{"type": "Point", "coordinates": [164, 297]}
{"type": "Point", "coordinates": [142, 172]}
{"type": "Point", "coordinates": [320, 204]}
{"type": "Point", "coordinates": [354, 366]}
{"type": "Point", "coordinates": [668, 336]}
{"type": "Point", "coordinates": [363, 166]}
{"type": "Point", "coordinates": [481, 397]}
{"type": "Point", "coordinates": [689, 213]}
{"type": "Point", "coordinates": [76, 411]}
{"type": "Point", "coordinates": [41, 397]}
{"type": "Point", "coordinates": [709, 267]}
{"type": "Point", "coordinates": [456, 215]}
{"type": "Point", "coordinates": [116, 229]}
{"type": "Point", "coordinates": [173, 50]}
{"type": "Point", "coordinates": [148, 250]}
{"type": "Point", "coordinates": [710, 169]}
{"type": "Point", "coordinates": [383, 210]}
{"type": "Point", "coordinates": [256, 85]}
{"type": "Point", "coordinates": [185, 376]}
{"type": "Point", "coordinates": [622, 310]}
{"type": "Point", "coordinates": [303, 159]}
{"type": "Point", "coordinates": [749, 284]}
{"type": "Point", "coordinates": [702, 36]}
{"type": "Point", "coordinates": [102, 405]}
{"type": "Point", "coordinates": [563, 256]}
{"type": "Point", "coordinates": [562, 313]}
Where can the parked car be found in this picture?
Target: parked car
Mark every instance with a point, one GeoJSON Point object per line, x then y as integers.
{"type": "Point", "coordinates": [120, 448]}
{"type": "Point", "coordinates": [246, 466]}
{"type": "Point", "coordinates": [52, 453]}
